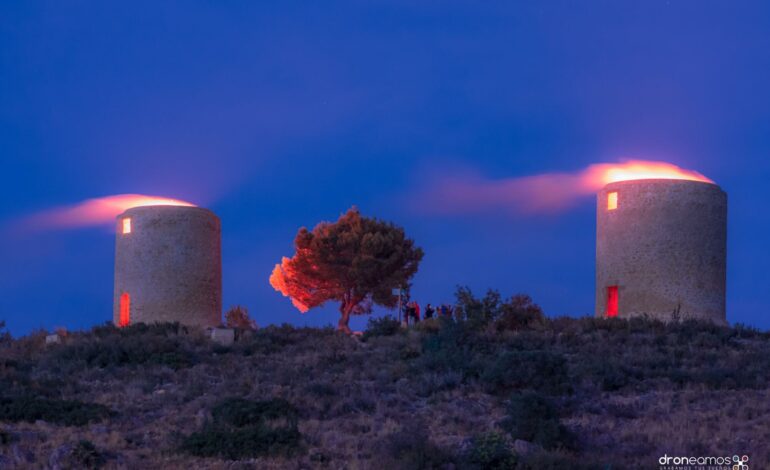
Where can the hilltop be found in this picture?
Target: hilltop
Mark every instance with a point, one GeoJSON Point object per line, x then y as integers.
{"type": "Point", "coordinates": [501, 387]}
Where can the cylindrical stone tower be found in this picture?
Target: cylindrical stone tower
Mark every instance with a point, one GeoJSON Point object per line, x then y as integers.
{"type": "Point", "coordinates": [168, 266]}
{"type": "Point", "coordinates": [661, 250]}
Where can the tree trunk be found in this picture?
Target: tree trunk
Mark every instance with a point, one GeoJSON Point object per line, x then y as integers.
{"type": "Point", "coordinates": [342, 325]}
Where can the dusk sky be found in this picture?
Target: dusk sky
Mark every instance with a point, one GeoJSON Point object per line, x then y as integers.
{"type": "Point", "coordinates": [278, 115]}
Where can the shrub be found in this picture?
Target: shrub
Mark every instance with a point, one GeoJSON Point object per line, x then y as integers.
{"type": "Point", "coordinates": [517, 313]}
{"type": "Point", "coordinates": [533, 418]}
{"type": "Point", "coordinates": [382, 326]}
{"type": "Point", "coordinates": [321, 389]}
{"type": "Point", "coordinates": [477, 312]}
{"type": "Point", "coordinates": [160, 343]}
{"type": "Point", "coordinates": [239, 412]}
{"type": "Point", "coordinates": [86, 455]}
{"type": "Point", "coordinates": [5, 336]}
{"type": "Point", "coordinates": [272, 339]}
{"type": "Point", "coordinates": [66, 412]}
{"type": "Point", "coordinates": [238, 317]}
{"type": "Point", "coordinates": [410, 448]}
{"type": "Point", "coordinates": [489, 451]}
{"type": "Point", "coordinates": [609, 374]}
{"type": "Point", "coordinates": [455, 347]}
{"type": "Point", "coordinates": [559, 460]}
{"type": "Point", "coordinates": [247, 429]}
{"type": "Point", "coordinates": [520, 313]}
{"type": "Point", "coordinates": [540, 370]}
{"type": "Point", "coordinates": [6, 437]}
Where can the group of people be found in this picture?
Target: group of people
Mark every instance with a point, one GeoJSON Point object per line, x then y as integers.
{"type": "Point", "coordinates": [412, 311]}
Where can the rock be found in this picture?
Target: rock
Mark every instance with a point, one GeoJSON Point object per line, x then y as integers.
{"type": "Point", "coordinates": [223, 336]}
{"type": "Point", "coordinates": [53, 339]}
{"type": "Point", "coordinates": [524, 448]}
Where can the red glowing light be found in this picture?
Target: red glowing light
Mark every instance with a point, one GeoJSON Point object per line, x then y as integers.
{"type": "Point", "coordinates": [612, 301]}
{"type": "Point", "coordinates": [125, 310]}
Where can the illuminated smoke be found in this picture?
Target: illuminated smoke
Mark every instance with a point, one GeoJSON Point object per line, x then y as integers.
{"type": "Point", "coordinates": [99, 211]}
{"type": "Point", "coordinates": [549, 192]}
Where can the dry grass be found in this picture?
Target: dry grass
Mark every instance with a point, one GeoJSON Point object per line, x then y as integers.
{"type": "Point", "coordinates": [681, 390]}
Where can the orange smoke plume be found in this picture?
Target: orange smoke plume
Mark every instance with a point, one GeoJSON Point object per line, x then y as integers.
{"type": "Point", "coordinates": [99, 211]}
{"type": "Point", "coordinates": [602, 174]}
{"type": "Point", "coordinates": [278, 281]}
{"type": "Point", "coordinates": [550, 192]}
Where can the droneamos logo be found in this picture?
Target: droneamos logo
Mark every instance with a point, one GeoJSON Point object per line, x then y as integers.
{"type": "Point", "coordinates": [704, 463]}
{"type": "Point", "coordinates": [741, 463]}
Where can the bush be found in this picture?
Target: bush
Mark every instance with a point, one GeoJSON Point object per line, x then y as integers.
{"type": "Point", "coordinates": [86, 455]}
{"type": "Point", "coordinates": [517, 313]}
{"type": "Point", "coordinates": [382, 326]}
{"type": "Point", "coordinates": [489, 451]}
{"type": "Point", "coordinates": [161, 343]}
{"type": "Point", "coordinates": [410, 448]}
{"type": "Point", "coordinates": [540, 370]}
{"type": "Point", "coordinates": [239, 412]}
{"type": "Point", "coordinates": [559, 460]}
{"type": "Point", "coordinates": [238, 317]}
{"type": "Point", "coordinates": [247, 429]}
{"type": "Point", "coordinates": [477, 312]}
{"type": "Point", "coordinates": [533, 418]}
{"type": "Point", "coordinates": [520, 313]}
{"type": "Point", "coordinates": [454, 347]}
{"type": "Point", "coordinates": [609, 374]}
{"type": "Point", "coordinates": [273, 339]}
{"type": "Point", "coordinates": [6, 437]}
{"type": "Point", "coordinates": [66, 412]}
{"type": "Point", "coordinates": [5, 336]}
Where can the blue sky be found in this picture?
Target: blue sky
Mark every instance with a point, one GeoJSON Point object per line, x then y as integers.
{"type": "Point", "coordinates": [278, 116]}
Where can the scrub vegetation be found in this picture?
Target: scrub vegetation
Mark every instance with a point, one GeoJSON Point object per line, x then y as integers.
{"type": "Point", "coordinates": [499, 386]}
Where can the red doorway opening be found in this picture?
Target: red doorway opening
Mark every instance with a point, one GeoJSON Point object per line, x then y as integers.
{"type": "Point", "coordinates": [612, 301]}
{"type": "Point", "coordinates": [125, 310]}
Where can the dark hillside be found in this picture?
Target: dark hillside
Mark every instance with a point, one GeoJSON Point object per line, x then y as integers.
{"type": "Point", "coordinates": [500, 387]}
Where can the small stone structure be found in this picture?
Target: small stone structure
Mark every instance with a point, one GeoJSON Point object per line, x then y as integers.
{"type": "Point", "coordinates": [661, 250]}
{"type": "Point", "coordinates": [223, 336]}
{"type": "Point", "coordinates": [168, 266]}
{"type": "Point", "coordinates": [52, 339]}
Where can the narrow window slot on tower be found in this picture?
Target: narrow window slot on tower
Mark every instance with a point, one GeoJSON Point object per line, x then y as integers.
{"type": "Point", "coordinates": [126, 225]}
{"type": "Point", "coordinates": [125, 310]}
{"type": "Point", "coordinates": [612, 301]}
{"type": "Point", "coordinates": [612, 201]}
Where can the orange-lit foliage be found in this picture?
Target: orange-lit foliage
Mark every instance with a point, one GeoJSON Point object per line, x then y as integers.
{"type": "Point", "coordinates": [125, 310]}
{"type": "Point", "coordinates": [612, 201]}
{"type": "Point", "coordinates": [356, 261]}
{"type": "Point", "coordinates": [612, 301]}
{"type": "Point", "coordinates": [238, 317]}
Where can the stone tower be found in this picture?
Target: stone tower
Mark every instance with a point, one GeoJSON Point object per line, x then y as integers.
{"type": "Point", "coordinates": [168, 266]}
{"type": "Point", "coordinates": [661, 250]}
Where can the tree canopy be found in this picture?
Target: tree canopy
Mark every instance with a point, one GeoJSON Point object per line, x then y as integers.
{"type": "Point", "coordinates": [357, 261]}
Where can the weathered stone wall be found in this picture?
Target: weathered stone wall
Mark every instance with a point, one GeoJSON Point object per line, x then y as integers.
{"type": "Point", "coordinates": [170, 265]}
{"type": "Point", "coordinates": [665, 247]}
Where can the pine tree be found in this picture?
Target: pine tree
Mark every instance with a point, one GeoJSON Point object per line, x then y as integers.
{"type": "Point", "coordinates": [357, 261]}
